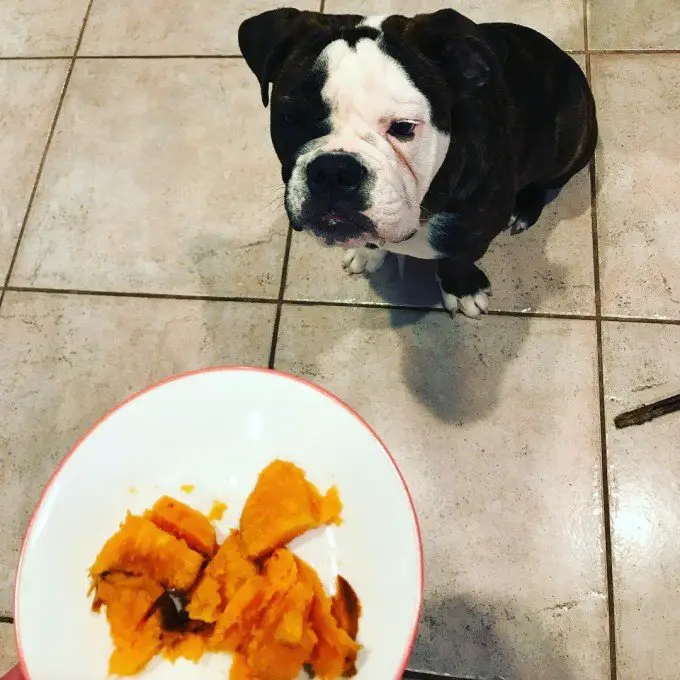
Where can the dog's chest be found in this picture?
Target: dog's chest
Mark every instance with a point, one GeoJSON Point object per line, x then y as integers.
{"type": "Point", "coordinates": [417, 246]}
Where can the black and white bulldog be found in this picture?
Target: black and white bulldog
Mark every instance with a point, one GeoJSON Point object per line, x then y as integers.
{"type": "Point", "coordinates": [423, 136]}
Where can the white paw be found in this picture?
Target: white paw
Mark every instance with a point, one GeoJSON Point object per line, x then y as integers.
{"type": "Point", "coordinates": [367, 260]}
{"type": "Point", "coordinates": [471, 306]}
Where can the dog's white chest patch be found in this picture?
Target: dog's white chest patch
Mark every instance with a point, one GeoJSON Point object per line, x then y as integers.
{"type": "Point", "coordinates": [417, 246]}
{"type": "Point", "coordinates": [374, 21]}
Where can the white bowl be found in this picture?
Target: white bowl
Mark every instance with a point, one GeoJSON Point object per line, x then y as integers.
{"type": "Point", "coordinates": [216, 429]}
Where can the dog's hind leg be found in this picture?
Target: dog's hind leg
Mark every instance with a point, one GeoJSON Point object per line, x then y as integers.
{"type": "Point", "coordinates": [529, 204]}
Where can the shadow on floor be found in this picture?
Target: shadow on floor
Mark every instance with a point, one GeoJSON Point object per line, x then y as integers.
{"type": "Point", "coordinates": [466, 638]}
{"type": "Point", "coordinates": [455, 366]}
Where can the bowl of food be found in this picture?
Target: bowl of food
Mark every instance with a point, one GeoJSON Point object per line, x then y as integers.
{"type": "Point", "coordinates": [226, 523]}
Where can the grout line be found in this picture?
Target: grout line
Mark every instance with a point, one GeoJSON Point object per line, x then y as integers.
{"type": "Point", "coordinates": [158, 56]}
{"type": "Point", "coordinates": [113, 57]}
{"type": "Point", "coordinates": [6, 619]}
{"type": "Point", "coordinates": [641, 319]}
{"type": "Point", "coordinates": [603, 52]}
{"type": "Point", "coordinates": [362, 305]}
{"type": "Point", "coordinates": [329, 303]}
{"type": "Point", "coordinates": [440, 310]}
{"type": "Point", "coordinates": [280, 301]}
{"type": "Point", "coordinates": [41, 165]}
{"type": "Point", "coordinates": [587, 53]}
{"type": "Point", "coordinates": [649, 52]}
{"type": "Point", "coordinates": [38, 58]}
{"type": "Point", "coordinates": [150, 296]}
{"type": "Point", "coordinates": [606, 497]}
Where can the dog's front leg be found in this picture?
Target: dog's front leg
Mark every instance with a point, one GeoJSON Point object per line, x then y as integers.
{"type": "Point", "coordinates": [462, 237]}
{"type": "Point", "coordinates": [367, 259]}
{"type": "Point", "coordinates": [465, 287]}
{"type": "Point", "coordinates": [462, 240]}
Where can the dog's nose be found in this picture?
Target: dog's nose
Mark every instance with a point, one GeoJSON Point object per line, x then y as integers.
{"type": "Point", "coordinates": [336, 175]}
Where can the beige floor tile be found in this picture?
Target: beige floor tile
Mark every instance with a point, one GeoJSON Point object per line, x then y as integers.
{"type": "Point", "coordinates": [29, 92]}
{"type": "Point", "coordinates": [561, 20]}
{"type": "Point", "coordinates": [65, 360]}
{"type": "Point", "coordinates": [550, 267]}
{"type": "Point", "coordinates": [633, 24]}
{"type": "Point", "coordinates": [496, 428]}
{"type": "Point", "coordinates": [35, 28]}
{"type": "Point", "coordinates": [8, 648]}
{"type": "Point", "coordinates": [172, 26]}
{"type": "Point", "coordinates": [159, 179]}
{"type": "Point", "coordinates": [638, 172]}
{"type": "Point", "coordinates": [315, 273]}
{"type": "Point", "coordinates": [642, 364]}
{"type": "Point", "coordinates": [547, 269]}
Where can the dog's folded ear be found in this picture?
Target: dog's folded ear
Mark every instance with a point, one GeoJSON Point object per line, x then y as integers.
{"type": "Point", "coordinates": [456, 44]}
{"type": "Point", "coordinates": [265, 41]}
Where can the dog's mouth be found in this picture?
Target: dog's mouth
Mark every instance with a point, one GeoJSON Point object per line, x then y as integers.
{"type": "Point", "coordinates": [345, 227]}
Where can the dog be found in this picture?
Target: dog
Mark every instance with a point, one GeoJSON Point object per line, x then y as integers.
{"type": "Point", "coordinates": [424, 136]}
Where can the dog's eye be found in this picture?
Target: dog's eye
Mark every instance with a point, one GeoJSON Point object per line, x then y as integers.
{"type": "Point", "coordinates": [402, 129]}
{"type": "Point", "coordinates": [290, 118]}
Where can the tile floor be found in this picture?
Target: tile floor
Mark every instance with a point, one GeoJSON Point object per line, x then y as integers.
{"type": "Point", "coordinates": [141, 235]}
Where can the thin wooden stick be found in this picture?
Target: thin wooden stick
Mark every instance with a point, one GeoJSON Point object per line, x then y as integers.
{"type": "Point", "coordinates": [643, 414]}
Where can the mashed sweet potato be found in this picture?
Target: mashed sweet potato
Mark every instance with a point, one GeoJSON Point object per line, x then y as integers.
{"type": "Point", "coordinates": [168, 589]}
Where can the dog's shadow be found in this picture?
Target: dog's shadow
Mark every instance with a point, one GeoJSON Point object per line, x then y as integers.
{"type": "Point", "coordinates": [456, 366]}
{"type": "Point", "coordinates": [487, 640]}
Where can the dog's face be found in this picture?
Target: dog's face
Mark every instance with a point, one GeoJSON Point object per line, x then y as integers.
{"type": "Point", "coordinates": [360, 121]}
{"type": "Point", "coordinates": [364, 168]}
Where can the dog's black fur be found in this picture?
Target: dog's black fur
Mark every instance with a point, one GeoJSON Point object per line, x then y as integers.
{"type": "Point", "coordinates": [519, 111]}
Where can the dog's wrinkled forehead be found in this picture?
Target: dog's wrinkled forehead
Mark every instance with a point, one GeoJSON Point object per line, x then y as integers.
{"type": "Point", "coordinates": [364, 84]}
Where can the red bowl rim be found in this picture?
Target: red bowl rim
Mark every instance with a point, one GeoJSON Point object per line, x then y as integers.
{"type": "Point", "coordinates": [216, 369]}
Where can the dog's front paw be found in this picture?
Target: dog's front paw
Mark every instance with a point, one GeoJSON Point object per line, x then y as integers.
{"type": "Point", "coordinates": [518, 224]}
{"type": "Point", "coordinates": [472, 306]}
{"type": "Point", "coordinates": [361, 260]}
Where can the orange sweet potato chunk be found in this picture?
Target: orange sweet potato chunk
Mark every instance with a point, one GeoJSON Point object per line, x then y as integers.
{"type": "Point", "coordinates": [331, 507]}
{"type": "Point", "coordinates": [283, 639]}
{"type": "Point", "coordinates": [282, 506]}
{"type": "Point", "coordinates": [228, 570]}
{"type": "Point", "coordinates": [281, 570]}
{"type": "Point", "coordinates": [335, 651]}
{"type": "Point", "coordinates": [189, 646]}
{"type": "Point", "coordinates": [139, 547]}
{"type": "Point", "coordinates": [276, 639]}
{"type": "Point", "coordinates": [185, 523]}
{"type": "Point", "coordinates": [245, 609]}
{"type": "Point", "coordinates": [268, 621]}
{"type": "Point", "coordinates": [135, 631]}
{"type": "Point", "coordinates": [240, 670]}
